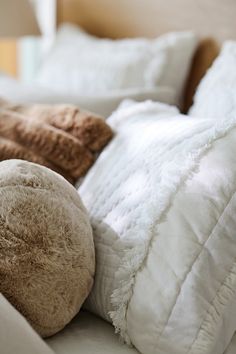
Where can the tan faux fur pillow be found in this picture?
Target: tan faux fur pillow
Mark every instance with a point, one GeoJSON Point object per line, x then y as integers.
{"type": "Point", "coordinates": [46, 245]}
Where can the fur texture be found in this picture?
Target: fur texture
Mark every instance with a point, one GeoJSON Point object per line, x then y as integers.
{"type": "Point", "coordinates": [60, 137]}
{"type": "Point", "coordinates": [11, 150]}
{"type": "Point", "coordinates": [60, 148]}
{"type": "Point", "coordinates": [46, 245]}
{"type": "Point", "coordinates": [90, 129]}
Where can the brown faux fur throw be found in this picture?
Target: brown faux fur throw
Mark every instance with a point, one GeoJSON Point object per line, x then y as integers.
{"type": "Point", "coordinates": [60, 137]}
{"type": "Point", "coordinates": [11, 150]}
{"type": "Point", "coordinates": [58, 147]}
{"type": "Point", "coordinates": [90, 129]}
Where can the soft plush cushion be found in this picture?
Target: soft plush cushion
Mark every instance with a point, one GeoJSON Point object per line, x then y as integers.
{"type": "Point", "coordinates": [46, 245]}
{"type": "Point", "coordinates": [163, 217]}
{"type": "Point", "coordinates": [89, 334]}
{"type": "Point", "coordinates": [82, 64]}
{"type": "Point", "coordinates": [216, 95]}
{"type": "Point", "coordinates": [103, 104]}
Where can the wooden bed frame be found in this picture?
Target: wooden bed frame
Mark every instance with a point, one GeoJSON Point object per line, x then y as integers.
{"type": "Point", "coordinates": [213, 20]}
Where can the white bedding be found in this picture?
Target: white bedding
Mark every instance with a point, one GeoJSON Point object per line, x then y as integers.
{"type": "Point", "coordinates": [192, 304]}
{"type": "Point", "coordinates": [103, 104]}
{"type": "Point", "coordinates": [88, 334]}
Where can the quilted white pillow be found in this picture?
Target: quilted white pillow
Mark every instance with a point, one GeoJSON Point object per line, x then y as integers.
{"type": "Point", "coordinates": [216, 95]}
{"type": "Point", "coordinates": [162, 202]}
{"type": "Point", "coordinates": [82, 64]}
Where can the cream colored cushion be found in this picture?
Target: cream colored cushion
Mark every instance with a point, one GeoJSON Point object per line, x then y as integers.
{"type": "Point", "coordinates": [46, 245]}
{"type": "Point", "coordinates": [16, 335]}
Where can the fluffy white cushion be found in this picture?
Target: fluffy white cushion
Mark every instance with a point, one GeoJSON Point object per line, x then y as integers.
{"type": "Point", "coordinates": [82, 64]}
{"type": "Point", "coordinates": [103, 104]}
{"type": "Point", "coordinates": [162, 202]}
{"type": "Point", "coordinates": [46, 245]}
{"type": "Point", "coordinates": [216, 95]}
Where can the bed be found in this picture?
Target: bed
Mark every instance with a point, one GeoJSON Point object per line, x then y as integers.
{"type": "Point", "coordinates": [214, 22]}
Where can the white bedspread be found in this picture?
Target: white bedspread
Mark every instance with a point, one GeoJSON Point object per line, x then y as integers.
{"type": "Point", "coordinates": [88, 334]}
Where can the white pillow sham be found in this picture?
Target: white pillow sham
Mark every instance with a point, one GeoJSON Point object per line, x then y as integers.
{"type": "Point", "coordinates": [82, 64]}
{"type": "Point", "coordinates": [162, 202]}
{"type": "Point", "coordinates": [216, 95]}
{"type": "Point", "coordinates": [103, 104]}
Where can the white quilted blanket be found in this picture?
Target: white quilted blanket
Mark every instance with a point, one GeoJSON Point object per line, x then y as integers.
{"type": "Point", "coordinates": [166, 251]}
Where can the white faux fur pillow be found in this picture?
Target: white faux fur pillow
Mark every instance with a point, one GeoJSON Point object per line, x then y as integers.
{"type": "Point", "coordinates": [162, 203]}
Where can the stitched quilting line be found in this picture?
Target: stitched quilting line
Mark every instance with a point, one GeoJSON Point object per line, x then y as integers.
{"type": "Point", "coordinates": [187, 274]}
{"type": "Point", "coordinates": [230, 272]}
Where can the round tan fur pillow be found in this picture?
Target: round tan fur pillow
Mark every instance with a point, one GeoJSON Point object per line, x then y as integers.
{"type": "Point", "coordinates": [46, 245]}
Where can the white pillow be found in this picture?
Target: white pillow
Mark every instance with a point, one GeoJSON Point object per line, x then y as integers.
{"type": "Point", "coordinates": [216, 95]}
{"type": "Point", "coordinates": [103, 104]}
{"type": "Point", "coordinates": [161, 197]}
{"type": "Point", "coordinates": [82, 64]}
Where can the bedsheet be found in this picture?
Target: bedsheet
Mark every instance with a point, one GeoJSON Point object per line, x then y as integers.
{"type": "Point", "coordinates": [88, 334]}
{"type": "Point", "coordinates": [15, 91]}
